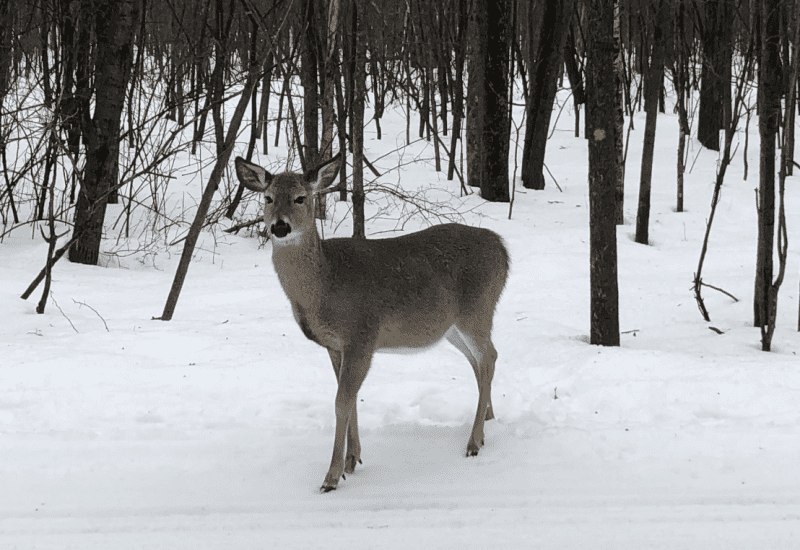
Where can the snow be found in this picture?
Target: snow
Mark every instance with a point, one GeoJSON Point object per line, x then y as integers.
{"type": "Point", "coordinates": [214, 430]}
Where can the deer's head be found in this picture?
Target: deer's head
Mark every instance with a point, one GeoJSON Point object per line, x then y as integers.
{"type": "Point", "coordinates": [288, 197]}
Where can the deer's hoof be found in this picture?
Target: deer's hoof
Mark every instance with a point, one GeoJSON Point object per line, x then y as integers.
{"type": "Point", "coordinates": [331, 481]}
{"type": "Point", "coordinates": [350, 463]}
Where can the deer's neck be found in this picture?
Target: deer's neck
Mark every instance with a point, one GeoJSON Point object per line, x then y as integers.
{"type": "Point", "coordinates": [302, 269]}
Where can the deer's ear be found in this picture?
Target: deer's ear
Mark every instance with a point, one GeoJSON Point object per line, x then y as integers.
{"type": "Point", "coordinates": [323, 175]}
{"type": "Point", "coordinates": [252, 176]}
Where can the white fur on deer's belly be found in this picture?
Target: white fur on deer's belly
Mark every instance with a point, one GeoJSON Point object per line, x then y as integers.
{"type": "Point", "coordinates": [409, 350]}
{"type": "Point", "coordinates": [413, 331]}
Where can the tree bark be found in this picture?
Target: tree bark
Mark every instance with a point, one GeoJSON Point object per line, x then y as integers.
{"type": "Point", "coordinates": [309, 80]}
{"type": "Point", "coordinates": [488, 128]}
{"type": "Point", "coordinates": [476, 66]}
{"type": "Point", "coordinates": [715, 94]}
{"type": "Point", "coordinates": [115, 24]}
{"type": "Point", "coordinates": [357, 120]}
{"type": "Point", "coordinates": [575, 79]}
{"type": "Point", "coordinates": [549, 57]}
{"type": "Point", "coordinates": [208, 194]}
{"type": "Point", "coordinates": [603, 172]}
{"type": "Point", "coordinates": [654, 81]}
{"type": "Point", "coordinates": [622, 89]}
{"type": "Point", "coordinates": [680, 72]}
{"type": "Point", "coordinates": [769, 96]}
{"type": "Point", "coordinates": [458, 96]}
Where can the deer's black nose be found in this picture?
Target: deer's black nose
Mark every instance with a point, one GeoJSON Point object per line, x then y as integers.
{"type": "Point", "coordinates": [280, 229]}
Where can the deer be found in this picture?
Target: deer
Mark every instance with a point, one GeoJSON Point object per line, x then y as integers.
{"type": "Point", "coordinates": [355, 296]}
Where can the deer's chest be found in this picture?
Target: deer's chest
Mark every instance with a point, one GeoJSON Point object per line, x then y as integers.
{"type": "Point", "coordinates": [313, 327]}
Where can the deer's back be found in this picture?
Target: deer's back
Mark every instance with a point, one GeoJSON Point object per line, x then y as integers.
{"type": "Point", "coordinates": [417, 282]}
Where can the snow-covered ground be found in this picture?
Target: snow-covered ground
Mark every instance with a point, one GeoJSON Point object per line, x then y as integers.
{"type": "Point", "coordinates": [214, 430]}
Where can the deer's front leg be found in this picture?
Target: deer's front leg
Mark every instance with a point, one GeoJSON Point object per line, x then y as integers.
{"type": "Point", "coordinates": [353, 455]}
{"type": "Point", "coordinates": [354, 366]}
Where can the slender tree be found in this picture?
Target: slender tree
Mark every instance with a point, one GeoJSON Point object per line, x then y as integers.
{"type": "Point", "coordinates": [680, 80]}
{"type": "Point", "coordinates": [488, 127]}
{"type": "Point", "coordinates": [308, 78]}
{"type": "Point", "coordinates": [603, 172]}
{"type": "Point", "coordinates": [769, 97]}
{"type": "Point", "coordinates": [715, 96]}
{"type": "Point", "coordinates": [548, 60]}
{"type": "Point", "coordinates": [654, 79]}
{"type": "Point", "coordinates": [359, 75]}
{"type": "Point", "coordinates": [114, 26]}
{"type": "Point", "coordinates": [623, 89]}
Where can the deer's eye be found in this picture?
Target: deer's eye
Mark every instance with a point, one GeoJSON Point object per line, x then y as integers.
{"type": "Point", "coordinates": [300, 200]}
{"type": "Point", "coordinates": [269, 199]}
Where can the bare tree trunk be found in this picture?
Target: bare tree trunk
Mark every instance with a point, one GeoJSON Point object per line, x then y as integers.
{"type": "Point", "coordinates": [263, 119]}
{"type": "Point", "coordinates": [476, 51]}
{"type": "Point", "coordinates": [5, 66]}
{"type": "Point", "coordinates": [654, 81]}
{"type": "Point", "coordinates": [603, 172]}
{"type": "Point", "coordinates": [575, 78]}
{"type": "Point", "coordinates": [330, 59]}
{"type": "Point", "coordinates": [549, 57]}
{"type": "Point", "coordinates": [357, 120]}
{"type": "Point", "coordinates": [769, 95]}
{"type": "Point", "coordinates": [327, 107]}
{"type": "Point", "coordinates": [341, 123]}
{"type": "Point", "coordinates": [622, 90]}
{"type": "Point", "coordinates": [766, 311]}
{"type": "Point", "coordinates": [458, 96]}
{"type": "Point", "coordinates": [715, 98]}
{"type": "Point", "coordinates": [487, 152]}
{"type": "Point", "coordinates": [208, 195]}
{"type": "Point", "coordinates": [308, 78]}
{"type": "Point", "coordinates": [681, 90]}
{"type": "Point", "coordinates": [115, 23]}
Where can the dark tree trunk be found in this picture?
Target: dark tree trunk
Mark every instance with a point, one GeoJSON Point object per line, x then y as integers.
{"type": "Point", "coordinates": [622, 89]}
{"type": "Point", "coordinates": [680, 73]}
{"type": "Point", "coordinates": [604, 169]}
{"type": "Point", "coordinates": [549, 57]}
{"type": "Point", "coordinates": [357, 120]}
{"type": "Point", "coordinates": [769, 97]}
{"type": "Point", "coordinates": [476, 51]}
{"type": "Point", "coordinates": [575, 79]}
{"type": "Point", "coordinates": [652, 90]}
{"type": "Point", "coordinates": [115, 22]}
{"type": "Point", "coordinates": [488, 128]}
{"type": "Point", "coordinates": [308, 78]}
{"type": "Point", "coordinates": [263, 120]}
{"type": "Point", "coordinates": [715, 88]}
{"type": "Point", "coordinates": [208, 194]}
{"type": "Point", "coordinates": [5, 65]}
{"type": "Point", "coordinates": [458, 96]}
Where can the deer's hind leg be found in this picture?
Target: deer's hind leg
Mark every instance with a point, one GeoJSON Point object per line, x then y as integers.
{"type": "Point", "coordinates": [353, 454]}
{"type": "Point", "coordinates": [454, 337]}
{"type": "Point", "coordinates": [477, 347]}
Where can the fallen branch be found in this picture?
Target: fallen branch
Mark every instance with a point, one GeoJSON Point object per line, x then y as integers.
{"type": "Point", "coordinates": [735, 299]}
{"type": "Point", "coordinates": [244, 225]}
{"type": "Point", "coordinates": [56, 256]}
{"type": "Point", "coordinates": [62, 312]}
{"type": "Point", "coordinates": [95, 312]}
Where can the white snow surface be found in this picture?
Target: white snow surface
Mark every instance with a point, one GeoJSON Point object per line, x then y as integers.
{"type": "Point", "coordinates": [214, 430]}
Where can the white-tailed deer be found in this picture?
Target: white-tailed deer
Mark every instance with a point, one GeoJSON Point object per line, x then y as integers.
{"type": "Point", "coordinates": [355, 296]}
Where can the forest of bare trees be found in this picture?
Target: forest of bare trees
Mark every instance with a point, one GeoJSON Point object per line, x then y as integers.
{"type": "Point", "coordinates": [98, 97]}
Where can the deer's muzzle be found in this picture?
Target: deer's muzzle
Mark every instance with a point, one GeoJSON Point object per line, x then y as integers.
{"type": "Point", "coordinates": [280, 229]}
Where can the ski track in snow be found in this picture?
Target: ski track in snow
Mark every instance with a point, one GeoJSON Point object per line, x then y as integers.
{"type": "Point", "coordinates": [214, 430]}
